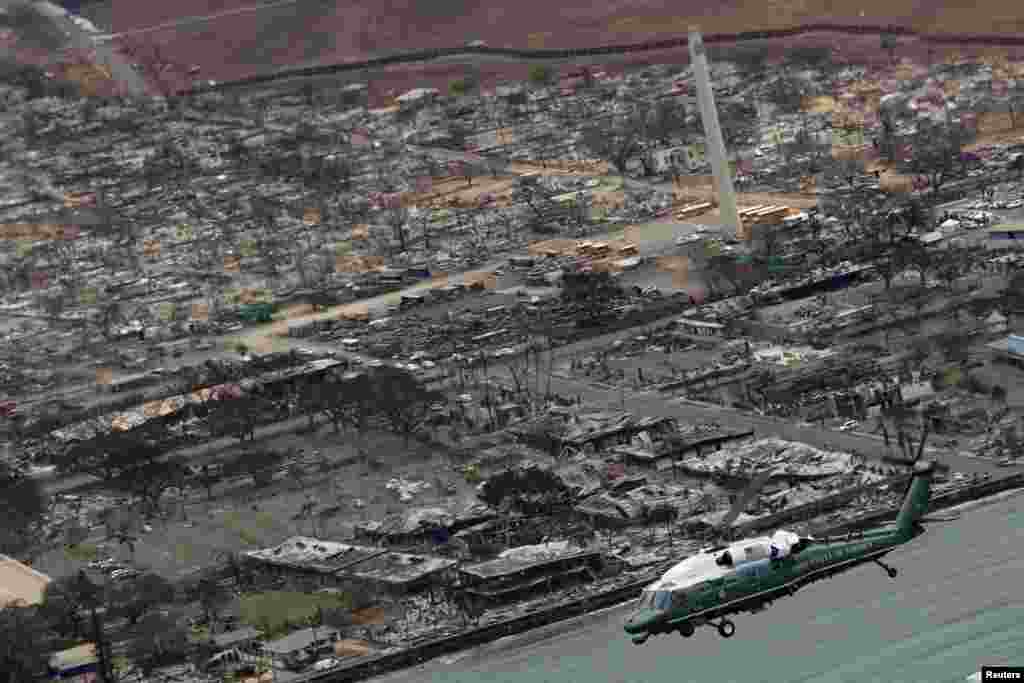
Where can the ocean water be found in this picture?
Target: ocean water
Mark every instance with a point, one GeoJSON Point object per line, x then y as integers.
{"type": "Point", "coordinates": [958, 603]}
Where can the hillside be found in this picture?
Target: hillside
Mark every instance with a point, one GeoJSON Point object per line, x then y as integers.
{"type": "Point", "coordinates": [235, 38]}
{"type": "Point", "coordinates": [235, 41]}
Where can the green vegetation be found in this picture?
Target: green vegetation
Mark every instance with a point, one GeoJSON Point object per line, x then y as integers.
{"type": "Point", "coordinates": [264, 520]}
{"type": "Point", "coordinates": [234, 522]}
{"type": "Point", "coordinates": [459, 87]}
{"type": "Point", "coordinates": [183, 553]}
{"type": "Point", "coordinates": [83, 552]}
{"type": "Point", "coordinates": [541, 74]}
{"type": "Point", "coordinates": [249, 538]}
{"type": "Point", "coordinates": [278, 611]}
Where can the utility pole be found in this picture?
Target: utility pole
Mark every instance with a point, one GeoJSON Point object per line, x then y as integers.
{"type": "Point", "coordinates": [102, 651]}
{"type": "Point", "coordinates": [88, 591]}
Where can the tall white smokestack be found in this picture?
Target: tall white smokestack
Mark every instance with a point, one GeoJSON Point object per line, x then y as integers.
{"type": "Point", "coordinates": [713, 133]}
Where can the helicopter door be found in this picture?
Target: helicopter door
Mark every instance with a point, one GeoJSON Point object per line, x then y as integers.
{"type": "Point", "coordinates": [679, 599]}
{"type": "Point", "coordinates": [732, 587]}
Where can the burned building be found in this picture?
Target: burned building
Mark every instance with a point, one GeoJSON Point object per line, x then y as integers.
{"type": "Point", "coordinates": [591, 432]}
{"type": "Point", "coordinates": [601, 431]}
{"type": "Point", "coordinates": [421, 527]}
{"type": "Point", "coordinates": [306, 563]}
{"type": "Point", "coordinates": [310, 564]}
{"type": "Point", "coordinates": [521, 572]}
{"type": "Point", "coordinates": [400, 573]}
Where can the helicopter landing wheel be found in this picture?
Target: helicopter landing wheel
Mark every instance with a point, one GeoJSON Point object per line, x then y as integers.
{"type": "Point", "coordinates": [726, 628]}
{"type": "Point", "coordinates": [891, 571]}
{"type": "Point", "coordinates": [686, 629]}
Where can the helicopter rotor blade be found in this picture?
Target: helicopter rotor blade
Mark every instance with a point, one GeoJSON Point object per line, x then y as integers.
{"type": "Point", "coordinates": [749, 493]}
{"type": "Point", "coordinates": [917, 456]}
{"type": "Point", "coordinates": [938, 519]}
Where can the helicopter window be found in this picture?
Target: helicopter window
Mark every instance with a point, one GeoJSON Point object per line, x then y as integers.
{"type": "Point", "coordinates": [662, 600]}
{"type": "Point", "coordinates": [755, 552]}
{"type": "Point", "coordinates": [646, 600]}
{"type": "Point", "coordinates": [799, 546]}
{"type": "Point", "coordinates": [679, 599]}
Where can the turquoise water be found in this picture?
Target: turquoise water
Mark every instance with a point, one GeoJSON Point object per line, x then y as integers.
{"type": "Point", "coordinates": [958, 603]}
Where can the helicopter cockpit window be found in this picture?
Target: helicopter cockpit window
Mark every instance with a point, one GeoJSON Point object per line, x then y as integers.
{"type": "Point", "coordinates": [755, 552]}
{"type": "Point", "coordinates": [646, 600]}
{"type": "Point", "coordinates": [662, 600]}
{"type": "Point", "coordinates": [800, 546]}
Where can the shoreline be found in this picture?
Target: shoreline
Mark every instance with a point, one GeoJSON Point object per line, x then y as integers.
{"type": "Point", "coordinates": [462, 644]}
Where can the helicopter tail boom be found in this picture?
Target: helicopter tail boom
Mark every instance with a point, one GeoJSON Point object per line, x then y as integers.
{"type": "Point", "coordinates": [915, 505]}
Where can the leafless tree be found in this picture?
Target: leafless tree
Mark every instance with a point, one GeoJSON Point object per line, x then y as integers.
{"type": "Point", "coordinates": [397, 217]}
{"type": "Point", "coordinates": [936, 151]}
{"type": "Point", "coordinates": [618, 142]}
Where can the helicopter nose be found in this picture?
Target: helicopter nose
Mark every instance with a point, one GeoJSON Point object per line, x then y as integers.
{"type": "Point", "coordinates": [638, 623]}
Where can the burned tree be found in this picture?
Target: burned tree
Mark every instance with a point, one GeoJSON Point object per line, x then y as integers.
{"type": "Point", "coordinates": [22, 504]}
{"type": "Point", "coordinates": [402, 399]}
{"type": "Point", "coordinates": [239, 417]}
{"type": "Point", "coordinates": [544, 213]}
{"type": "Point", "coordinates": [936, 151]}
{"type": "Point", "coordinates": [525, 489]}
{"type": "Point", "coordinates": [618, 142]}
{"type": "Point", "coordinates": [397, 217]}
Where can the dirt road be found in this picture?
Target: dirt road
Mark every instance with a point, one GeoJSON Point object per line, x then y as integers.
{"type": "Point", "coordinates": [80, 39]}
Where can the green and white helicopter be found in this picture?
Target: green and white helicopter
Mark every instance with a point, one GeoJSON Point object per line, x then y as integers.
{"type": "Point", "coordinates": [748, 575]}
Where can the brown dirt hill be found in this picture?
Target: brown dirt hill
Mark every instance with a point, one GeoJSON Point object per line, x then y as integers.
{"type": "Point", "coordinates": [368, 25]}
{"type": "Point", "coordinates": [287, 34]}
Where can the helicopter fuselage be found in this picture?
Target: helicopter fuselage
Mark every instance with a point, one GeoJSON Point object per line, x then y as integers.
{"type": "Point", "coordinates": [672, 606]}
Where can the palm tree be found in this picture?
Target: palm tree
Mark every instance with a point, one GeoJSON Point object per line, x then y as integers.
{"type": "Point", "coordinates": [316, 620]}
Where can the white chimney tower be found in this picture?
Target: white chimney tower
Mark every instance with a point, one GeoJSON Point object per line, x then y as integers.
{"type": "Point", "coordinates": [713, 134]}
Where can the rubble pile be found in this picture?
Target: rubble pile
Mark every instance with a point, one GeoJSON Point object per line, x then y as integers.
{"type": "Point", "coordinates": [791, 459]}
{"type": "Point", "coordinates": [585, 476]}
{"type": "Point", "coordinates": [406, 490]}
{"type": "Point", "coordinates": [1000, 440]}
{"type": "Point", "coordinates": [698, 430]}
{"type": "Point", "coordinates": [647, 502]}
{"type": "Point", "coordinates": [537, 553]}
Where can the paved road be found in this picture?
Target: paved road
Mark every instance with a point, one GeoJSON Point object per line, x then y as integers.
{"type": "Point", "coordinates": [185, 21]}
{"type": "Point", "coordinates": [654, 403]}
{"type": "Point", "coordinates": [204, 452]}
{"type": "Point", "coordinates": [954, 607]}
{"type": "Point", "coordinates": [81, 39]}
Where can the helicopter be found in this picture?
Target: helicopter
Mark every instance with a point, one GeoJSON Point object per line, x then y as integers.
{"type": "Point", "coordinates": [748, 575]}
